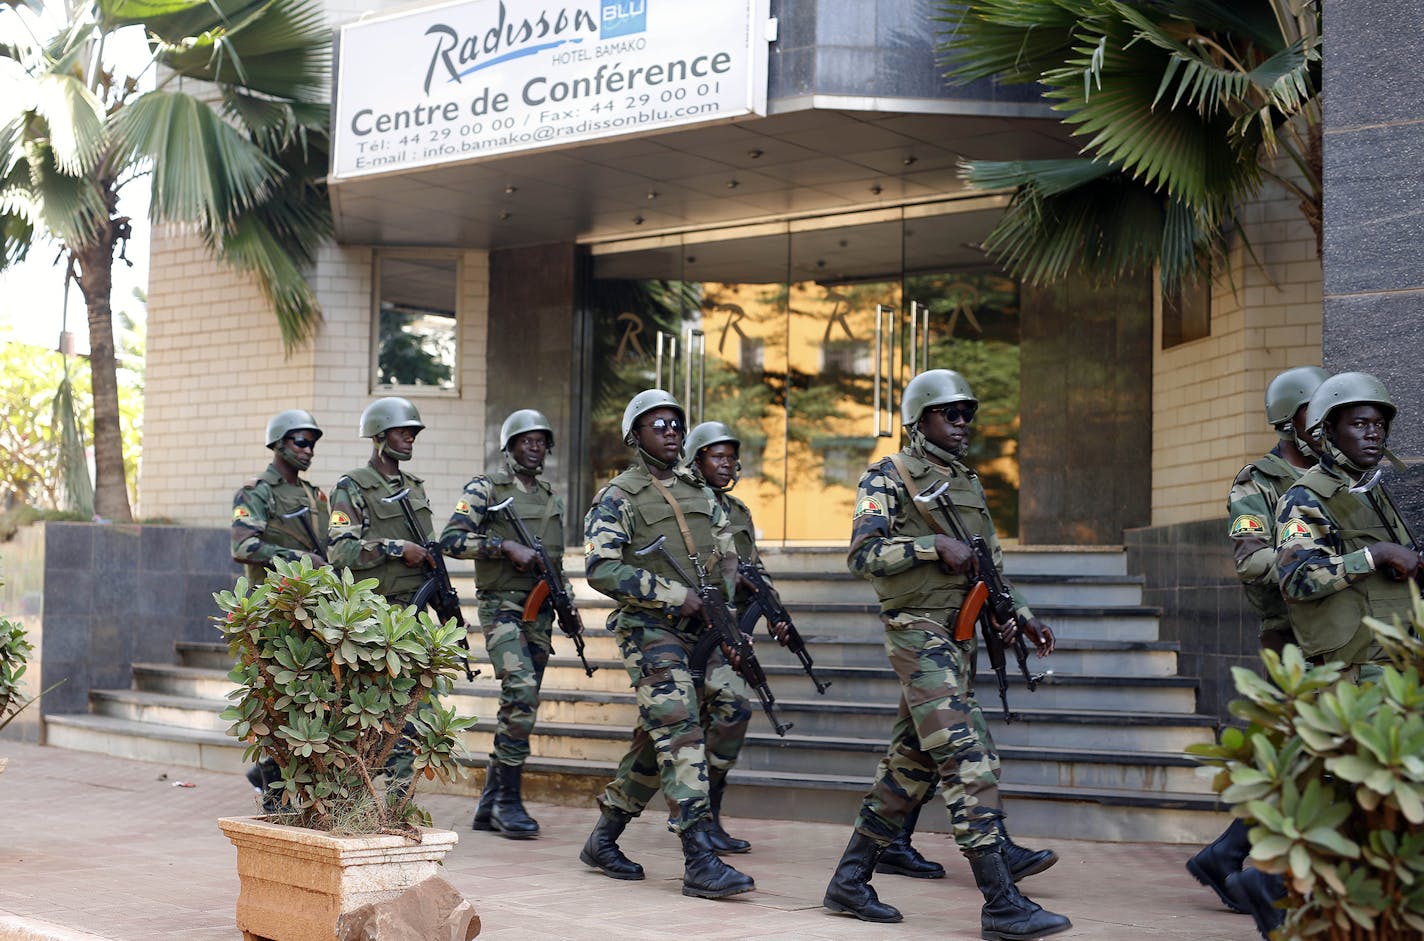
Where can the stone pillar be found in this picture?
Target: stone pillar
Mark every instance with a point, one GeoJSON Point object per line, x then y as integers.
{"type": "Point", "coordinates": [1374, 214]}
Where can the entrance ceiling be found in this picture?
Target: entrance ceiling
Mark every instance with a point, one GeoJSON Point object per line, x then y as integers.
{"type": "Point", "coordinates": [799, 162]}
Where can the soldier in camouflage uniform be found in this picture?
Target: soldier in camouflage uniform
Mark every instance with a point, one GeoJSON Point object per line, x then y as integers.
{"type": "Point", "coordinates": [506, 571]}
{"type": "Point", "coordinates": [1251, 507]}
{"type": "Point", "coordinates": [657, 622]}
{"type": "Point", "coordinates": [370, 536]}
{"type": "Point", "coordinates": [921, 576]}
{"type": "Point", "coordinates": [278, 515]}
{"type": "Point", "coordinates": [1341, 553]}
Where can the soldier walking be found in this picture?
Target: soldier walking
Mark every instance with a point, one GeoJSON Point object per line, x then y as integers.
{"type": "Point", "coordinates": [279, 515]}
{"type": "Point", "coordinates": [921, 576]}
{"type": "Point", "coordinates": [656, 622]}
{"type": "Point", "coordinates": [506, 571]}
{"type": "Point", "coordinates": [1251, 507]}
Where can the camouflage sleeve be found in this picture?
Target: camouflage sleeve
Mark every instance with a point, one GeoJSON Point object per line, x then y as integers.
{"type": "Point", "coordinates": [873, 550]}
{"type": "Point", "coordinates": [606, 529]}
{"type": "Point", "coordinates": [1310, 556]}
{"type": "Point", "coordinates": [464, 537]}
{"type": "Point", "coordinates": [249, 521]}
{"type": "Point", "coordinates": [1252, 521]}
{"type": "Point", "coordinates": [346, 542]}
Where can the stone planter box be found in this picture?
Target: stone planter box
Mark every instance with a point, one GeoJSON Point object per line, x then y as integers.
{"type": "Point", "coordinates": [296, 884]}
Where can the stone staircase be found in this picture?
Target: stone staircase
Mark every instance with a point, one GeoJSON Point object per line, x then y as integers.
{"type": "Point", "coordinates": [1097, 753]}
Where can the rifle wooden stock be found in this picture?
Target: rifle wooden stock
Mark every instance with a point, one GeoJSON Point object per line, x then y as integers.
{"type": "Point", "coordinates": [535, 601]}
{"type": "Point", "coordinates": [969, 611]}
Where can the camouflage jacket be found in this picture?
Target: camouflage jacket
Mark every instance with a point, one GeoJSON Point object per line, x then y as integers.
{"type": "Point", "coordinates": [894, 546]}
{"type": "Point", "coordinates": [630, 513]}
{"type": "Point", "coordinates": [365, 533]}
{"type": "Point", "coordinates": [739, 516]}
{"type": "Point", "coordinates": [472, 533]}
{"type": "Point", "coordinates": [1252, 508]}
{"type": "Point", "coordinates": [259, 531]}
{"type": "Point", "coordinates": [1322, 532]}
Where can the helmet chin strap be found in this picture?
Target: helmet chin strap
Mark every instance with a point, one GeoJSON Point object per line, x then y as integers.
{"type": "Point", "coordinates": [515, 467]}
{"type": "Point", "coordinates": [922, 444]}
{"type": "Point", "coordinates": [291, 457]}
{"type": "Point", "coordinates": [651, 461]}
{"type": "Point", "coordinates": [391, 452]}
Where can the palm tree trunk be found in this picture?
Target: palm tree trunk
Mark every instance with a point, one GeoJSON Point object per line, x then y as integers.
{"type": "Point", "coordinates": [96, 279]}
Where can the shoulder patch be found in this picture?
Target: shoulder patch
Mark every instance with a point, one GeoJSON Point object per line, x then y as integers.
{"type": "Point", "coordinates": [870, 506]}
{"type": "Point", "coordinates": [588, 547]}
{"type": "Point", "coordinates": [338, 518]}
{"type": "Point", "coordinates": [1295, 529]}
{"type": "Point", "coordinates": [463, 507]}
{"type": "Point", "coordinates": [240, 513]}
{"type": "Point", "coordinates": [1248, 525]}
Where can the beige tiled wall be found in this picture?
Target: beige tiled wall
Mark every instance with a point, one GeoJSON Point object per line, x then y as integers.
{"type": "Point", "coordinates": [1209, 394]}
{"type": "Point", "coordinates": [217, 372]}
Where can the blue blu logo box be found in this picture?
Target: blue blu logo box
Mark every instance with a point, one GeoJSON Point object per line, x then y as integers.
{"type": "Point", "coordinates": [623, 18]}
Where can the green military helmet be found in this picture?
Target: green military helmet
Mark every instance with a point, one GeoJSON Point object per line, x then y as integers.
{"type": "Point", "coordinates": [284, 423]}
{"type": "Point", "coordinates": [707, 434]}
{"type": "Point", "coordinates": [645, 402]}
{"type": "Point", "coordinates": [1347, 388]}
{"type": "Point", "coordinates": [387, 413]}
{"type": "Point", "coordinates": [1290, 390]}
{"type": "Point", "coordinates": [521, 422]}
{"type": "Point", "coordinates": [934, 387]}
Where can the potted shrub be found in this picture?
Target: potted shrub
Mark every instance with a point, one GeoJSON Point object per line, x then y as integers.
{"type": "Point", "coordinates": [1331, 775]}
{"type": "Point", "coordinates": [330, 678]}
{"type": "Point", "coordinates": [15, 651]}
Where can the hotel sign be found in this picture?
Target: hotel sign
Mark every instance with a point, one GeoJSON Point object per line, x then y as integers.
{"type": "Point", "coordinates": [485, 78]}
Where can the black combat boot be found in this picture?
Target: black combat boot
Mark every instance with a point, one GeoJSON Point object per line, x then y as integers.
{"type": "Point", "coordinates": [850, 890]}
{"type": "Point", "coordinates": [1023, 862]}
{"type": "Point", "coordinates": [703, 874]}
{"type": "Point", "coordinates": [1007, 915]}
{"type": "Point", "coordinates": [487, 796]}
{"type": "Point", "coordinates": [508, 816]}
{"type": "Point", "coordinates": [601, 850]}
{"type": "Point", "coordinates": [1219, 859]}
{"type": "Point", "coordinates": [1257, 892]}
{"type": "Point", "coordinates": [262, 776]}
{"type": "Point", "coordinates": [902, 859]}
{"type": "Point", "coordinates": [722, 841]}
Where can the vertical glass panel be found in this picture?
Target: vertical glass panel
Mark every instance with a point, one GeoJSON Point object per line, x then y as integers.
{"type": "Point", "coordinates": [415, 321]}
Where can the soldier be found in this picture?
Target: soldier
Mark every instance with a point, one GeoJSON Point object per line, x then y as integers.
{"type": "Point", "coordinates": [279, 516]}
{"type": "Point", "coordinates": [369, 534]}
{"type": "Point", "coordinates": [921, 576]}
{"type": "Point", "coordinates": [1251, 507]}
{"type": "Point", "coordinates": [656, 621]}
{"type": "Point", "coordinates": [506, 571]}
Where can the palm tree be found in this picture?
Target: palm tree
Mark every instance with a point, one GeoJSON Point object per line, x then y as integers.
{"type": "Point", "coordinates": [1188, 106]}
{"type": "Point", "coordinates": [233, 139]}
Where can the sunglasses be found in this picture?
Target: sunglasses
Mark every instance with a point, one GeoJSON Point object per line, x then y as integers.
{"type": "Point", "coordinates": [953, 413]}
{"type": "Point", "coordinates": [303, 442]}
{"type": "Point", "coordinates": [663, 425]}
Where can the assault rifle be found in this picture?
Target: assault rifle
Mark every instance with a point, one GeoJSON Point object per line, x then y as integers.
{"type": "Point", "coordinates": [303, 513]}
{"type": "Point", "coordinates": [1366, 488]}
{"type": "Point", "coordinates": [989, 602]}
{"type": "Point", "coordinates": [551, 588]}
{"type": "Point", "coordinates": [765, 603]}
{"type": "Point", "coordinates": [436, 591]}
{"type": "Point", "coordinates": [718, 617]}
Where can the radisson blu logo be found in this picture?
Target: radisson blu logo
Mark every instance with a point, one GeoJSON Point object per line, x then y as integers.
{"type": "Point", "coordinates": [622, 18]}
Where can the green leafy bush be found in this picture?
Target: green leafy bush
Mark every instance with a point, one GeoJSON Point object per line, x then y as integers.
{"type": "Point", "coordinates": [14, 652]}
{"type": "Point", "coordinates": [330, 678]}
{"type": "Point", "coordinates": [1331, 773]}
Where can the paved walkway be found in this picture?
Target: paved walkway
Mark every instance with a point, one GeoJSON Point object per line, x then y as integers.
{"type": "Point", "coordinates": [93, 847]}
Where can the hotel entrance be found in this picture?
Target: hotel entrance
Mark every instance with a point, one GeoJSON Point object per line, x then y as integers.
{"type": "Point", "coordinates": [801, 335]}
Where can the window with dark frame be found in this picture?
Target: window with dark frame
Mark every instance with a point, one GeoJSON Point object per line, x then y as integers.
{"type": "Point", "coordinates": [416, 322]}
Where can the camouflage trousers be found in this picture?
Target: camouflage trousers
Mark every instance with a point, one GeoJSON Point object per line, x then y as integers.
{"type": "Point", "coordinates": [519, 652]}
{"type": "Point", "coordinates": [668, 745]}
{"type": "Point", "coordinates": [726, 714]}
{"type": "Point", "coordinates": [939, 734]}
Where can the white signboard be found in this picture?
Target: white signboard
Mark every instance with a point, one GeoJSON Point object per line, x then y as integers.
{"type": "Point", "coordinates": [482, 78]}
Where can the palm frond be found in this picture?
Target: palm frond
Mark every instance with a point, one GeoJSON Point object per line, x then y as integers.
{"type": "Point", "coordinates": [72, 208]}
{"type": "Point", "coordinates": [251, 247]}
{"type": "Point", "coordinates": [74, 121]}
{"type": "Point", "coordinates": [1013, 41]}
{"type": "Point", "coordinates": [1047, 177]}
{"type": "Point", "coordinates": [204, 170]}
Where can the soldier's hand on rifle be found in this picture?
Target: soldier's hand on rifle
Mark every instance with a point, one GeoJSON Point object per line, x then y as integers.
{"type": "Point", "coordinates": [956, 556]}
{"type": "Point", "coordinates": [523, 557]}
{"type": "Point", "coordinates": [1396, 561]}
{"type": "Point", "coordinates": [1008, 630]}
{"type": "Point", "coordinates": [691, 605]}
{"type": "Point", "coordinates": [413, 554]}
{"type": "Point", "coordinates": [744, 584]}
{"type": "Point", "coordinates": [1040, 634]}
{"type": "Point", "coordinates": [732, 659]}
{"type": "Point", "coordinates": [781, 631]}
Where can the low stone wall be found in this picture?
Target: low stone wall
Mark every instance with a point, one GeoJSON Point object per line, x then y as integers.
{"type": "Point", "coordinates": [97, 598]}
{"type": "Point", "coordinates": [1192, 578]}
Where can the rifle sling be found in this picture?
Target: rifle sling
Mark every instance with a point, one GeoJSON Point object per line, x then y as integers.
{"type": "Point", "coordinates": [914, 492]}
{"type": "Point", "coordinates": [681, 520]}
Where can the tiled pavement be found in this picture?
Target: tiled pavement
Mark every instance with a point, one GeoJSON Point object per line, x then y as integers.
{"type": "Point", "coordinates": [100, 847]}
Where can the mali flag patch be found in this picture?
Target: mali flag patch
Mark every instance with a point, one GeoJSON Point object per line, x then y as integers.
{"type": "Point", "coordinates": [340, 519]}
{"type": "Point", "coordinates": [463, 507]}
{"type": "Point", "coordinates": [870, 506]}
{"type": "Point", "coordinates": [1295, 529]}
{"type": "Point", "coordinates": [1248, 525]}
{"type": "Point", "coordinates": [240, 513]}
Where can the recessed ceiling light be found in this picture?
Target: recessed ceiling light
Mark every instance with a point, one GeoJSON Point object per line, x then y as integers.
{"type": "Point", "coordinates": [733, 184]}
{"type": "Point", "coordinates": [754, 153]}
{"type": "Point", "coordinates": [875, 189]}
{"type": "Point", "coordinates": [511, 189]}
